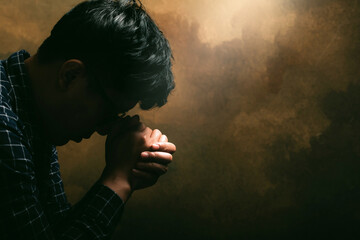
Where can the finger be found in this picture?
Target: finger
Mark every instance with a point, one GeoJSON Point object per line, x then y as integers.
{"type": "Point", "coordinates": [156, 134]}
{"type": "Point", "coordinates": [163, 138]}
{"type": "Point", "coordinates": [164, 147]}
{"type": "Point", "coordinates": [159, 157]}
{"type": "Point", "coordinates": [152, 167]}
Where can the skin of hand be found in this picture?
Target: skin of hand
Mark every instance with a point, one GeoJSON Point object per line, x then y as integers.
{"type": "Point", "coordinates": [153, 163]}
{"type": "Point", "coordinates": [135, 157]}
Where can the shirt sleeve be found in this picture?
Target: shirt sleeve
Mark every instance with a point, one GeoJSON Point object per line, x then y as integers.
{"type": "Point", "coordinates": [22, 214]}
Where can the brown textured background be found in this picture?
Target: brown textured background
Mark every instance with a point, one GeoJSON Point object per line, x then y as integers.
{"type": "Point", "coordinates": [265, 117]}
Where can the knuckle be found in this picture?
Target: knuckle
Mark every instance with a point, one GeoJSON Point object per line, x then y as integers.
{"type": "Point", "coordinates": [163, 138]}
{"type": "Point", "coordinates": [142, 126]}
{"type": "Point", "coordinates": [142, 138]}
{"type": "Point", "coordinates": [148, 130]}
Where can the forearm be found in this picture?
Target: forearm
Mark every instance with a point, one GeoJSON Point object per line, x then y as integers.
{"type": "Point", "coordinates": [94, 217]}
{"type": "Point", "coordinates": [26, 217]}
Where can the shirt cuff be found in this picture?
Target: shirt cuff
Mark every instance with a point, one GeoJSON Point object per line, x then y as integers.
{"type": "Point", "coordinates": [103, 205]}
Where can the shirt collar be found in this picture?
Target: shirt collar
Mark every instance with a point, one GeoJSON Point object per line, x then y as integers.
{"type": "Point", "coordinates": [21, 95]}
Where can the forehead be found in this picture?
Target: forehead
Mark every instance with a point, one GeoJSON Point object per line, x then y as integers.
{"type": "Point", "coordinates": [119, 101]}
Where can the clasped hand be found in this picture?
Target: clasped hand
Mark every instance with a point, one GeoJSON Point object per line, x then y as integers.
{"type": "Point", "coordinates": [136, 156]}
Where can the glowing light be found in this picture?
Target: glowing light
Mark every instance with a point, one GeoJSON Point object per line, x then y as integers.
{"type": "Point", "coordinates": [225, 20]}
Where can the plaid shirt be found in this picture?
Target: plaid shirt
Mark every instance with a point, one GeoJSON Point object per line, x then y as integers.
{"type": "Point", "coordinates": [33, 204]}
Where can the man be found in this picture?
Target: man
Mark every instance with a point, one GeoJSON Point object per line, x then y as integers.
{"type": "Point", "coordinates": [101, 59]}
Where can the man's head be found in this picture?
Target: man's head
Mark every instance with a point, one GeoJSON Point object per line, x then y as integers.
{"type": "Point", "coordinates": [109, 50]}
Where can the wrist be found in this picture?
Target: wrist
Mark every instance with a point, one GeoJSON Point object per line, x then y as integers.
{"type": "Point", "coordinates": [119, 184]}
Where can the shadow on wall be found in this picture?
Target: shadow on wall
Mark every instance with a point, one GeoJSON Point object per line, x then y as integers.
{"type": "Point", "coordinates": [323, 182]}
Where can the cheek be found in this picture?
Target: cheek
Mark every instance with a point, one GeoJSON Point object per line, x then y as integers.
{"type": "Point", "coordinates": [81, 116]}
{"type": "Point", "coordinates": [88, 111]}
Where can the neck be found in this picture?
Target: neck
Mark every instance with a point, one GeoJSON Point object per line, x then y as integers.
{"type": "Point", "coordinates": [42, 82]}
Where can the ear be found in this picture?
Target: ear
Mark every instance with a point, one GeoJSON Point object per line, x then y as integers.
{"type": "Point", "coordinates": [71, 71]}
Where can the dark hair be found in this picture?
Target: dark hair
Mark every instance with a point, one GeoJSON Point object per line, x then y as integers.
{"type": "Point", "coordinates": [120, 45]}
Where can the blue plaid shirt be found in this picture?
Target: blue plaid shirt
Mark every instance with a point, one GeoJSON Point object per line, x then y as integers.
{"type": "Point", "coordinates": [33, 203]}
